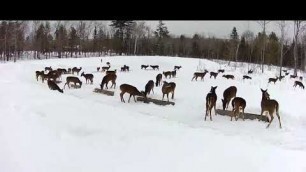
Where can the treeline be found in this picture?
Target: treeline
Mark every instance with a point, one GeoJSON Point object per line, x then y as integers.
{"type": "Point", "coordinates": [64, 39]}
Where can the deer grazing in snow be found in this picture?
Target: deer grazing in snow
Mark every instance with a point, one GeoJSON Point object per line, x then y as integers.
{"type": "Point", "coordinates": [73, 79]}
{"type": "Point", "coordinates": [149, 87]}
{"type": "Point", "coordinates": [273, 80]}
{"type": "Point", "coordinates": [177, 67]}
{"type": "Point", "coordinates": [199, 74]}
{"type": "Point", "coordinates": [88, 77]}
{"type": "Point", "coordinates": [154, 67]}
{"type": "Point", "coordinates": [229, 76]}
{"type": "Point", "coordinates": [238, 104]}
{"type": "Point", "coordinates": [228, 94]}
{"type": "Point", "coordinates": [168, 88]}
{"type": "Point", "coordinates": [133, 91]}
{"type": "Point", "coordinates": [158, 79]}
{"type": "Point", "coordinates": [53, 86]}
{"type": "Point", "coordinates": [109, 77]}
{"type": "Point", "coordinates": [300, 84]}
{"type": "Point", "coordinates": [211, 99]}
{"type": "Point", "coordinates": [144, 66]}
{"type": "Point", "coordinates": [271, 106]}
{"type": "Point", "coordinates": [39, 74]}
{"type": "Point", "coordinates": [246, 77]}
{"type": "Point", "coordinates": [221, 71]}
{"type": "Point", "coordinates": [167, 73]}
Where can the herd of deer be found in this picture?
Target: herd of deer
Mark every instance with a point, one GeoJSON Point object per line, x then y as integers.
{"type": "Point", "coordinates": [238, 103]}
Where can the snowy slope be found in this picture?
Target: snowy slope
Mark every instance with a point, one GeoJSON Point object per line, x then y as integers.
{"type": "Point", "coordinates": [43, 130]}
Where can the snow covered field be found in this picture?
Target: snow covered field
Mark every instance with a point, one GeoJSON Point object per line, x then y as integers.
{"type": "Point", "coordinates": [82, 131]}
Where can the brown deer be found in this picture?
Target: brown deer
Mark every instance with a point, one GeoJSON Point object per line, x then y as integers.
{"type": "Point", "coordinates": [229, 76]}
{"type": "Point", "coordinates": [133, 91]}
{"type": "Point", "coordinates": [221, 71]}
{"type": "Point", "coordinates": [177, 67]}
{"type": "Point", "coordinates": [63, 71]}
{"type": "Point", "coordinates": [88, 77]}
{"type": "Point", "coordinates": [238, 104]}
{"type": "Point", "coordinates": [125, 68]}
{"type": "Point", "coordinates": [293, 76]}
{"type": "Point", "coordinates": [149, 87]}
{"type": "Point", "coordinates": [246, 77]}
{"type": "Point", "coordinates": [39, 74]}
{"type": "Point", "coordinates": [51, 75]}
{"type": "Point", "coordinates": [69, 71]}
{"type": "Point", "coordinates": [111, 71]}
{"type": "Point", "coordinates": [273, 80]}
{"type": "Point", "coordinates": [48, 68]}
{"type": "Point", "coordinates": [53, 86]}
{"type": "Point", "coordinates": [77, 70]}
{"type": "Point", "coordinates": [250, 71]}
{"type": "Point", "coordinates": [199, 74]}
{"type": "Point", "coordinates": [154, 67]}
{"type": "Point", "coordinates": [167, 73]}
{"type": "Point", "coordinates": [214, 74]}
{"type": "Point", "coordinates": [300, 84]}
{"type": "Point", "coordinates": [270, 106]}
{"type": "Point", "coordinates": [98, 68]}
{"type": "Point", "coordinates": [158, 79]}
{"type": "Point", "coordinates": [73, 79]}
{"type": "Point", "coordinates": [228, 94]}
{"type": "Point", "coordinates": [211, 99]}
{"type": "Point", "coordinates": [144, 66]}
{"type": "Point", "coordinates": [168, 88]}
{"type": "Point", "coordinates": [105, 68]}
{"type": "Point", "coordinates": [109, 77]}
{"type": "Point", "coordinates": [173, 74]}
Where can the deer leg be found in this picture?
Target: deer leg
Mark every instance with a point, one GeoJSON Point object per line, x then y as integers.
{"type": "Point", "coordinates": [210, 114]}
{"type": "Point", "coordinates": [163, 96]}
{"type": "Point", "coordinates": [205, 114]}
{"type": "Point", "coordinates": [121, 96]}
{"type": "Point", "coordinates": [280, 124]}
{"type": "Point", "coordinates": [243, 113]}
{"type": "Point", "coordinates": [134, 98]}
{"type": "Point", "coordinates": [168, 96]}
{"type": "Point", "coordinates": [172, 94]}
{"type": "Point", "coordinates": [130, 98]}
{"type": "Point", "coordinates": [237, 115]}
{"type": "Point", "coordinates": [233, 112]}
{"type": "Point", "coordinates": [260, 117]}
{"type": "Point", "coordinates": [215, 108]}
{"type": "Point", "coordinates": [270, 121]}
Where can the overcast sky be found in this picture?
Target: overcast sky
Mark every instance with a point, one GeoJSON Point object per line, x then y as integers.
{"type": "Point", "coordinates": [221, 29]}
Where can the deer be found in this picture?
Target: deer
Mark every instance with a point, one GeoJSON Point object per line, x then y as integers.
{"type": "Point", "coordinates": [281, 77]}
{"type": "Point", "coordinates": [98, 68]}
{"type": "Point", "coordinates": [214, 74]}
{"type": "Point", "coordinates": [125, 68]}
{"type": "Point", "coordinates": [177, 67]}
{"type": "Point", "coordinates": [229, 76]}
{"type": "Point", "coordinates": [228, 94]}
{"type": "Point", "coordinates": [53, 86]}
{"type": "Point", "coordinates": [88, 77]}
{"type": "Point", "coordinates": [273, 80]}
{"type": "Point", "coordinates": [211, 99]}
{"type": "Point", "coordinates": [173, 74]}
{"type": "Point", "coordinates": [271, 106]}
{"type": "Point", "coordinates": [69, 71]}
{"type": "Point", "coordinates": [50, 75]}
{"type": "Point", "coordinates": [167, 73]}
{"type": "Point", "coordinates": [39, 74]}
{"type": "Point", "coordinates": [109, 77]}
{"type": "Point", "coordinates": [287, 73]}
{"type": "Point", "coordinates": [285, 70]}
{"type": "Point", "coordinates": [300, 84]}
{"type": "Point", "coordinates": [105, 68]}
{"type": "Point", "coordinates": [293, 76]}
{"type": "Point", "coordinates": [301, 78]}
{"type": "Point", "coordinates": [133, 91]}
{"type": "Point", "coordinates": [168, 88]}
{"type": "Point", "coordinates": [144, 66]}
{"type": "Point", "coordinates": [111, 71]}
{"type": "Point", "coordinates": [154, 67]}
{"type": "Point", "coordinates": [158, 79]}
{"type": "Point", "coordinates": [246, 77]}
{"type": "Point", "coordinates": [238, 104]}
{"type": "Point", "coordinates": [149, 87]}
{"type": "Point", "coordinates": [77, 70]}
{"type": "Point", "coordinates": [73, 79]}
{"type": "Point", "coordinates": [48, 68]}
{"type": "Point", "coordinates": [250, 71]}
{"type": "Point", "coordinates": [199, 74]}
{"type": "Point", "coordinates": [221, 71]}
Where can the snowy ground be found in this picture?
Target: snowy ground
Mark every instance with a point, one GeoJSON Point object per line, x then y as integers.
{"type": "Point", "coordinates": [82, 131]}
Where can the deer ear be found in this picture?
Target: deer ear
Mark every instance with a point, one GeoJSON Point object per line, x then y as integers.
{"type": "Point", "coordinates": [215, 87]}
{"type": "Point", "coordinates": [262, 90]}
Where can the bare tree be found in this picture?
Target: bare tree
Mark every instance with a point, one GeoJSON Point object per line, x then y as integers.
{"type": "Point", "coordinates": [298, 28]}
{"type": "Point", "coordinates": [282, 26]}
{"type": "Point", "coordinates": [138, 32]}
{"type": "Point", "coordinates": [249, 38]}
{"type": "Point", "coordinates": [263, 24]}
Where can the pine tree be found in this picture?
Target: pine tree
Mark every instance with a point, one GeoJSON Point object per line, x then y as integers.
{"type": "Point", "coordinates": [161, 34]}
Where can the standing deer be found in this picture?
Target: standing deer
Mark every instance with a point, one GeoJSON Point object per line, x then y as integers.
{"type": "Point", "coordinates": [154, 67]}
{"type": "Point", "coordinates": [109, 77]}
{"type": "Point", "coordinates": [53, 86]}
{"type": "Point", "coordinates": [238, 104]}
{"type": "Point", "coordinates": [221, 71]}
{"type": "Point", "coordinates": [77, 70]}
{"type": "Point", "coordinates": [273, 80]}
{"type": "Point", "coordinates": [199, 74]}
{"type": "Point", "coordinates": [214, 74]}
{"type": "Point", "coordinates": [167, 73]}
{"type": "Point", "coordinates": [168, 88]}
{"type": "Point", "coordinates": [229, 76]}
{"type": "Point", "coordinates": [158, 79]}
{"type": "Point", "coordinates": [144, 66]}
{"type": "Point", "coordinates": [133, 91]}
{"type": "Point", "coordinates": [228, 94]}
{"type": "Point", "coordinates": [211, 99]}
{"type": "Point", "coordinates": [246, 77]}
{"type": "Point", "coordinates": [39, 74]}
{"type": "Point", "coordinates": [88, 77]}
{"type": "Point", "coordinates": [73, 79]}
{"type": "Point", "coordinates": [177, 67]}
{"type": "Point", "coordinates": [149, 87]}
{"type": "Point", "coordinates": [300, 84]}
{"type": "Point", "coordinates": [270, 106]}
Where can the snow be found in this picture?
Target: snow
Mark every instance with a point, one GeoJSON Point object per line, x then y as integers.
{"type": "Point", "coordinates": [79, 130]}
